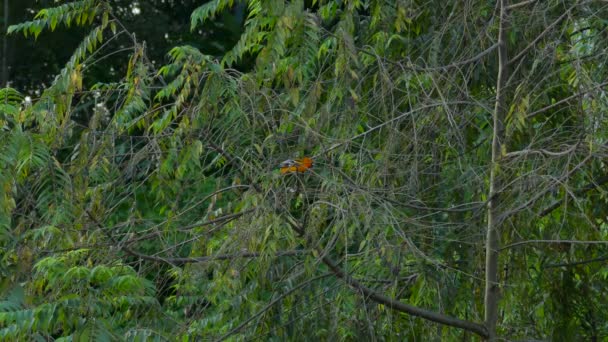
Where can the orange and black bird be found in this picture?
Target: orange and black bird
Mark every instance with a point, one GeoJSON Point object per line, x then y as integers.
{"type": "Point", "coordinates": [296, 166]}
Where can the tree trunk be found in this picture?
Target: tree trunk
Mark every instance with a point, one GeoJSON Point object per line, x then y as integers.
{"type": "Point", "coordinates": [5, 48]}
{"type": "Point", "coordinates": [492, 290]}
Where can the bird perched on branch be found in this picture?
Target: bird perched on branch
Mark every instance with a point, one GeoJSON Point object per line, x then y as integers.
{"type": "Point", "coordinates": [295, 166]}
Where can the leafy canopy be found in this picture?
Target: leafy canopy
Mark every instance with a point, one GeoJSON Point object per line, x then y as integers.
{"type": "Point", "coordinates": [153, 208]}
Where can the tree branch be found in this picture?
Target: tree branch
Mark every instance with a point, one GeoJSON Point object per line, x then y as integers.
{"type": "Point", "coordinates": [588, 187]}
{"type": "Point", "coordinates": [273, 302]}
{"type": "Point", "coordinates": [520, 4]}
{"type": "Point", "coordinates": [191, 260]}
{"type": "Point", "coordinates": [576, 263]}
{"type": "Point", "coordinates": [580, 93]}
{"type": "Point", "coordinates": [402, 307]}
{"type": "Point", "coordinates": [492, 288]}
{"type": "Point", "coordinates": [542, 34]}
{"type": "Point", "coordinates": [218, 220]}
{"type": "Point", "coordinates": [369, 293]}
{"type": "Point", "coordinates": [577, 242]}
{"type": "Point", "coordinates": [540, 194]}
{"type": "Point", "coordinates": [459, 63]}
{"type": "Point", "coordinates": [181, 261]}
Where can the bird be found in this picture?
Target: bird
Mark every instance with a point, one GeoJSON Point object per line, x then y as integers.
{"type": "Point", "coordinates": [296, 166]}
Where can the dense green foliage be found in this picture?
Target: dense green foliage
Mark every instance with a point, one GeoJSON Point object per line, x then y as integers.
{"type": "Point", "coordinates": [33, 63]}
{"type": "Point", "coordinates": [150, 205]}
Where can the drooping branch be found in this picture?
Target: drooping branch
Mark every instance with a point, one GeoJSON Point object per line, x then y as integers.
{"type": "Point", "coordinates": [564, 100]}
{"type": "Point", "coordinates": [402, 307]}
{"type": "Point", "coordinates": [391, 122]}
{"type": "Point", "coordinates": [367, 292]}
{"type": "Point", "coordinates": [577, 263]}
{"type": "Point", "coordinates": [270, 305]}
{"type": "Point", "coordinates": [548, 29]}
{"type": "Point", "coordinates": [588, 187]}
{"type": "Point", "coordinates": [391, 303]}
{"type": "Point", "coordinates": [218, 222]}
{"type": "Point", "coordinates": [189, 260]}
{"type": "Point", "coordinates": [568, 242]}
{"type": "Point", "coordinates": [540, 194]}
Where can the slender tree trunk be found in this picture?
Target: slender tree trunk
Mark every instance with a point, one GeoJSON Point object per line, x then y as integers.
{"type": "Point", "coordinates": [5, 47]}
{"type": "Point", "coordinates": [492, 291]}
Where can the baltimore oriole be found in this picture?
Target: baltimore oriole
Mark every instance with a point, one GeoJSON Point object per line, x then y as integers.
{"type": "Point", "coordinates": [298, 165]}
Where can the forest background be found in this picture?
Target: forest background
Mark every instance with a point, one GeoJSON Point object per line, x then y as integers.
{"type": "Point", "coordinates": [458, 190]}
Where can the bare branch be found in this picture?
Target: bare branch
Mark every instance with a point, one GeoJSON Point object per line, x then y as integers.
{"type": "Point", "coordinates": [590, 186]}
{"type": "Point", "coordinates": [540, 194]}
{"type": "Point", "coordinates": [520, 4]}
{"type": "Point", "coordinates": [271, 304]}
{"type": "Point", "coordinates": [576, 263]}
{"type": "Point", "coordinates": [542, 34]}
{"type": "Point", "coordinates": [542, 151]}
{"type": "Point", "coordinates": [574, 242]}
{"type": "Point", "coordinates": [391, 121]}
{"type": "Point", "coordinates": [402, 307]}
{"type": "Point", "coordinates": [182, 261]}
{"type": "Point", "coordinates": [456, 64]}
{"type": "Point", "coordinates": [553, 105]}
